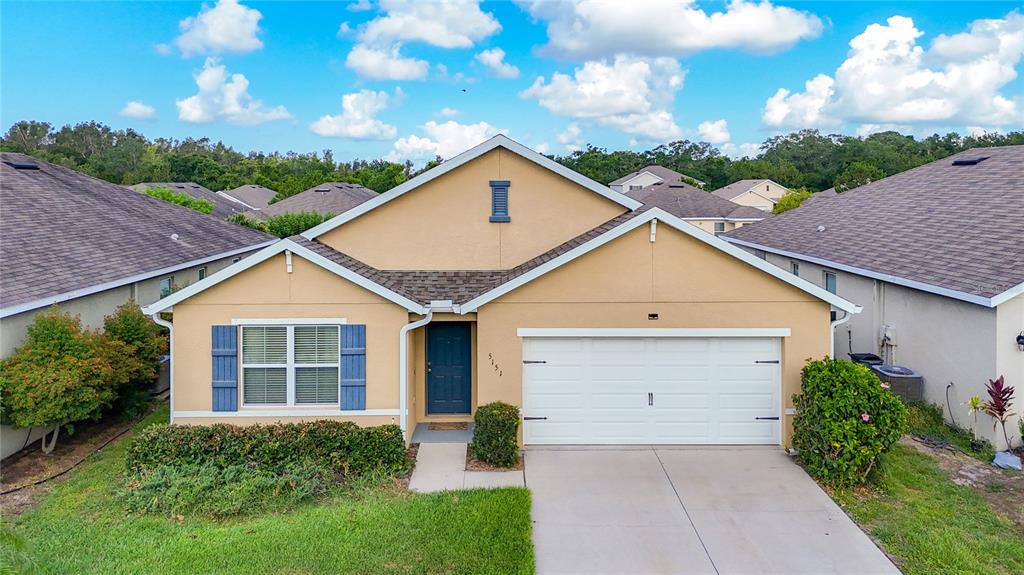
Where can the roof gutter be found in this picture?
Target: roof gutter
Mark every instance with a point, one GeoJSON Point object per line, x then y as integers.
{"type": "Point", "coordinates": [403, 360]}
{"type": "Point", "coordinates": [832, 333]}
{"type": "Point", "coordinates": [170, 342]}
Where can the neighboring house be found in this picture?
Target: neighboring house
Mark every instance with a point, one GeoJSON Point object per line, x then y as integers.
{"type": "Point", "coordinates": [501, 275]}
{"type": "Point", "coordinates": [934, 255]}
{"type": "Point", "coordinates": [251, 196]}
{"type": "Point", "coordinates": [647, 177]}
{"type": "Point", "coordinates": [89, 246]}
{"type": "Point", "coordinates": [222, 207]}
{"type": "Point", "coordinates": [697, 207]}
{"type": "Point", "coordinates": [760, 194]}
{"type": "Point", "coordinates": [330, 198]}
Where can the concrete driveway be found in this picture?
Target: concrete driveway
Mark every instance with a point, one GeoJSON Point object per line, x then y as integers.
{"type": "Point", "coordinates": [688, 510]}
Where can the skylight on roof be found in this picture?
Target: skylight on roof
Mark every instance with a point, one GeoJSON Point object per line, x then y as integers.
{"type": "Point", "coordinates": [22, 165]}
{"type": "Point", "coordinates": [972, 161]}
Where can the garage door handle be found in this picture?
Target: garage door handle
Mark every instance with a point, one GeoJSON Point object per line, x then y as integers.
{"type": "Point", "coordinates": [529, 361]}
{"type": "Point", "coordinates": [768, 418]}
{"type": "Point", "coordinates": [532, 418]}
{"type": "Point", "coordinates": [766, 361]}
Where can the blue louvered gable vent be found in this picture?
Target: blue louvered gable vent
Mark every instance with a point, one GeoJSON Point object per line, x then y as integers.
{"type": "Point", "coordinates": [225, 368]}
{"type": "Point", "coordinates": [353, 367]}
{"type": "Point", "coordinates": [499, 201]}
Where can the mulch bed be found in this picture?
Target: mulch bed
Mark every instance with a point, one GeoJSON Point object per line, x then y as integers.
{"type": "Point", "coordinates": [474, 464]}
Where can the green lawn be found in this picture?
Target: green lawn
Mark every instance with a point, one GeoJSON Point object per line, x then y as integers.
{"type": "Point", "coordinates": [80, 527]}
{"type": "Point", "coordinates": [931, 525]}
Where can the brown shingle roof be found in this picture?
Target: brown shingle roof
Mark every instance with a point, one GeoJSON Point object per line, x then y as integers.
{"type": "Point", "coordinates": [252, 195]}
{"type": "Point", "coordinates": [330, 198]}
{"type": "Point", "coordinates": [953, 227]}
{"type": "Point", "coordinates": [662, 172]}
{"type": "Point", "coordinates": [64, 231]}
{"type": "Point", "coordinates": [736, 188]}
{"type": "Point", "coordinates": [222, 207]}
{"type": "Point", "coordinates": [685, 201]}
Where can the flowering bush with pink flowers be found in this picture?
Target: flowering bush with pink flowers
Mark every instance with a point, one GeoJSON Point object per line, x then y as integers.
{"type": "Point", "coordinates": [845, 419]}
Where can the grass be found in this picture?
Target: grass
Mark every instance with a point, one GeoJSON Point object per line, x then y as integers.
{"type": "Point", "coordinates": [926, 421]}
{"type": "Point", "coordinates": [930, 524]}
{"type": "Point", "coordinates": [81, 527]}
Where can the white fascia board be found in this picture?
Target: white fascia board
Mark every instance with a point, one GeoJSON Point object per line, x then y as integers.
{"type": "Point", "coordinates": [654, 332]}
{"type": "Point", "coordinates": [285, 412]}
{"type": "Point", "coordinates": [889, 278]}
{"type": "Point", "coordinates": [291, 321]}
{"type": "Point", "coordinates": [236, 200]}
{"type": "Point", "coordinates": [269, 252]}
{"type": "Point", "coordinates": [90, 290]}
{"type": "Point", "coordinates": [682, 226]}
{"type": "Point", "coordinates": [497, 141]}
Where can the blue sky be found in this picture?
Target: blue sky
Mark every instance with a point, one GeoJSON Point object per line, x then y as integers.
{"type": "Point", "coordinates": [618, 75]}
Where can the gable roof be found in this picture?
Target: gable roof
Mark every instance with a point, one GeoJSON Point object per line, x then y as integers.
{"type": "Point", "coordinates": [687, 202]}
{"type": "Point", "coordinates": [737, 189]}
{"type": "Point", "coordinates": [328, 198]}
{"type": "Point", "coordinates": [253, 196]}
{"type": "Point", "coordinates": [67, 235]}
{"type": "Point", "coordinates": [470, 289]}
{"type": "Point", "coordinates": [662, 172]}
{"type": "Point", "coordinates": [953, 230]}
{"type": "Point", "coordinates": [499, 141]}
{"type": "Point", "coordinates": [222, 207]}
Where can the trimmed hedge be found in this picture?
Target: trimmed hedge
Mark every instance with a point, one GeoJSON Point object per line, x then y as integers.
{"type": "Point", "coordinates": [342, 447]}
{"type": "Point", "coordinates": [845, 419]}
{"type": "Point", "coordinates": [495, 434]}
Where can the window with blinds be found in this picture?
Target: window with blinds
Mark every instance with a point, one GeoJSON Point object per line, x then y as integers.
{"type": "Point", "coordinates": [290, 365]}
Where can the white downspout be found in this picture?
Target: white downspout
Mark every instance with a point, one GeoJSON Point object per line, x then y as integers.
{"type": "Point", "coordinates": [403, 366]}
{"type": "Point", "coordinates": [832, 333]}
{"type": "Point", "coordinates": [170, 376]}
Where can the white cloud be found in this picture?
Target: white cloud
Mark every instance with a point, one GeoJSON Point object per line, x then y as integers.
{"type": "Point", "coordinates": [221, 97]}
{"type": "Point", "coordinates": [227, 27]}
{"type": "Point", "coordinates": [163, 48]}
{"type": "Point", "coordinates": [571, 138]}
{"type": "Point", "coordinates": [445, 139]}
{"type": "Point", "coordinates": [599, 28]}
{"type": "Point", "coordinates": [385, 64]}
{"type": "Point", "coordinates": [631, 94]}
{"type": "Point", "coordinates": [138, 110]}
{"type": "Point", "coordinates": [542, 148]}
{"type": "Point", "coordinates": [357, 120]}
{"type": "Point", "coordinates": [447, 112]}
{"type": "Point", "coordinates": [494, 59]}
{"type": "Point", "coordinates": [444, 23]}
{"type": "Point", "coordinates": [359, 6]}
{"type": "Point", "coordinates": [889, 79]}
{"type": "Point", "coordinates": [748, 150]}
{"type": "Point", "coordinates": [715, 133]}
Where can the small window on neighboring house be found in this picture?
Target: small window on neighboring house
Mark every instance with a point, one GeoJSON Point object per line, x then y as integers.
{"type": "Point", "coordinates": [719, 227]}
{"type": "Point", "coordinates": [794, 267]}
{"type": "Point", "coordinates": [761, 254]}
{"type": "Point", "coordinates": [829, 281]}
{"type": "Point", "coordinates": [166, 286]}
{"type": "Point", "coordinates": [634, 187]}
{"type": "Point", "coordinates": [202, 273]}
{"type": "Point", "coordinates": [499, 201]}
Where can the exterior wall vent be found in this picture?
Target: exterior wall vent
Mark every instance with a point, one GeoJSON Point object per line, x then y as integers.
{"type": "Point", "coordinates": [499, 201]}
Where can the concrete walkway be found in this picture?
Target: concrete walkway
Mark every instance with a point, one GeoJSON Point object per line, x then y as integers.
{"type": "Point", "coordinates": [688, 510]}
{"type": "Point", "coordinates": [442, 467]}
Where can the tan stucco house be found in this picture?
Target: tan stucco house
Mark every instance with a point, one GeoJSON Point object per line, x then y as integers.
{"type": "Point", "coordinates": [649, 176]}
{"type": "Point", "coordinates": [697, 207]}
{"type": "Point", "coordinates": [934, 256]}
{"type": "Point", "coordinates": [500, 275]}
{"type": "Point", "coordinates": [760, 194]}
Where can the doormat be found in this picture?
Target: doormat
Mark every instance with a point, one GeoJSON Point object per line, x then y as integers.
{"type": "Point", "coordinates": [448, 426]}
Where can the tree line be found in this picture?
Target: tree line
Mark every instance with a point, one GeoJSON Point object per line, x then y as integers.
{"type": "Point", "coordinates": [805, 159]}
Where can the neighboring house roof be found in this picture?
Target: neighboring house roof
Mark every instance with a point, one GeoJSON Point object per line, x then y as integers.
{"type": "Point", "coordinates": [68, 235]}
{"type": "Point", "coordinates": [329, 198]}
{"type": "Point", "coordinates": [662, 172]}
{"type": "Point", "coordinates": [470, 289]}
{"type": "Point", "coordinates": [251, 196]}
{"type": "Point", "coordinates": [822, 195]}
{"type": "Point", "coordinates": [690, 203]}
{"type": "Point", "coordinates": [949, 229]}
{"type": "Point", "coordinates": [737, 189]}
{"type": "Point", "coordinates": [222, 207]}
{"type": "Point", "coordinates": [501, 141]}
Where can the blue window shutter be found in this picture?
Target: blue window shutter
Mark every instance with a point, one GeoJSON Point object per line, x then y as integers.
{"type": "Point", "coordinates": [225, 368]}
{"type": "Point", "coordinates": [499, 201]}
{"type": "Point", "coordinates": [353, 367]}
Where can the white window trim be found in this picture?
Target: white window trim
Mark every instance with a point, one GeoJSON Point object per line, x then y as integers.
{"type": "Point", "coordinates": [289, 412]}
{"type": "Point", "coordinates": [653, 332]}
{"type": "Point", "coordinates": [290, 365]}
{"type": "Point", "coordinates": [291, 321]}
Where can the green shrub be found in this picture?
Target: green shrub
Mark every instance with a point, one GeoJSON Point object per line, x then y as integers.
{"type": "Point", "coordinates": [182, 199]}
{"type": "Point", "coordinates": [495, 434]}
{"type": "Point", "coordinates": [927, 422]}
{"type": "Point", "coordinates": [142, 342]}
{"type": "Point", "coordinates": [215, 491]}
{"type": "Point", "coordinates": [254, 223]}
{"type": "Point", "coordinates": [283, 225]}
{"type": "Point", "coordinates": [343, 447]}
{"type": "Point", "coordinates": [844, 421]}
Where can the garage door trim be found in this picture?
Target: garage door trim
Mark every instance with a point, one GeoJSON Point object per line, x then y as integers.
{"type": "Point", "coordinates": [653, 332]}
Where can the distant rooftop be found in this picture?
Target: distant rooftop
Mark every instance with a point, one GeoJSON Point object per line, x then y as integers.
{"type": "Point", "coordinates": [222, 207]}
{"type": "Point", "coordinates": [327, 198]}
{"type": "Point", "coordinates": [685, 201]}
{"type": "Point", "coordinates": [253, 196]}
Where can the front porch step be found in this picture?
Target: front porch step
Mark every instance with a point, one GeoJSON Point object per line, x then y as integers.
{"type": "Point", "coordinates": [423, 434]}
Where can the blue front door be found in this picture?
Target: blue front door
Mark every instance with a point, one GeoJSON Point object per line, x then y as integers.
{"type": "Point", "coordinates": [449, 375]}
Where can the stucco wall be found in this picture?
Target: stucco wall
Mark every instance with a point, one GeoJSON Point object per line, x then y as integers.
{"type": "Point", "coordinates": [642, 180]}
{"type": "Point", "coordinates": [687, 283]}
{"type": "Point", "coordinates": [444, 224]}
{"type": "Point", "coordinates": [1009, 358]}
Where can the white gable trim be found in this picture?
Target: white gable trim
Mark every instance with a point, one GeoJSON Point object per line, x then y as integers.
{"type": "Point", "coordinates": [463, 158]}
{"type": "Point", "coordinates": [689, 229]}
{"type": "Point", "coordinates": [269, 252]}
{"type": "Point", "coordinates": [889, 278]}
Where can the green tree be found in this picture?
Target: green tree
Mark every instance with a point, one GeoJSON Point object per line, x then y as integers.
{"type": "Point", "coordinates": [857, 174]}
{"type": "Point", "coordinates": [791, 200]}
{"type": "Point", "coordinates": [181, 199]}
{"type": "Point", "coordinates": [27, 137]}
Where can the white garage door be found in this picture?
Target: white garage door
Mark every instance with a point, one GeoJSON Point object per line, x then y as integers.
{"type": "Point", "coordinates": [646, 390]}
